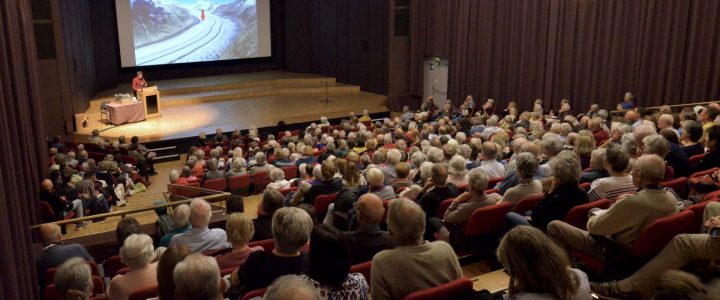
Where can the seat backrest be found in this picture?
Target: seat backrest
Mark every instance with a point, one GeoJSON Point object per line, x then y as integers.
{"type": "Point", "coordinates": [322, 202]}
{"type": "Point", "coordinates": [440, 212]}
{"type": "Point", "coordinates": [679, 185]}
{"type": "Point", "coordinates": [711, 195]}
{"type": "Point", "coordinates": [669, 173]}
{"type": "Point", "coordinates": [98, 285]}
{"type": "Point", "coordinates": [50, 273]}
{"type": "Point", "coordinates": [527, 203]}
{"type": "Point", "coordinates": [456, 289]}
{"type": "Point", "coordinates": [51, 293]}
{"type": "Point", "coordinates": [217, 184]}
{"type": "Point", "coordinates": [578, 215]}
{"type": "Point", "coordinates": [703, 173]}
{"type": "Point", "coordinates": [285, 191]}
{"type": "Point", "coordinates": [695, 159]}
{"type": "Point", "coordinates": [112, 265]}
{"type": "Point", "coordinates": [364, 269]}
{"type": "Point", "coordinates": [240, 184]}
{"type": "Point", "coordinates": [254, 293]}
{"type": "Point", "coordinates": [461, 188]}
{"type": "Point", "coordinates": [47, 212]}
{"type": "Point", "coordinates": [494, 181]}
{"type": "Point", "coordinates": [291, 172]}
{"type": "Point", "coordinates": [145, 293]}
{"type": "Point", "coordinates": [267, 245]}
{"type": "Point", "coordinates": [487, 219]}
{"type": "Point", "coordinates": [129, 160]}
{"type": "Point", "coordinates": [656, 235]}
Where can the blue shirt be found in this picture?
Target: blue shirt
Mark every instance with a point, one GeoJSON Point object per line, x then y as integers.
{"type": "Point", "coordinates": [201, 239]}
{"type": "Point", "coordinates": [627, 105]}
{"type": "Point", "coordinates": [165, 239]}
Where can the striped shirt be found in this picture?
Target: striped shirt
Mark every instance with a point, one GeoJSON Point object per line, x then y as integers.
{"type": "Point", "coordinates": [86, 186]}
{"type": "Point", "coordinates": [611, 187]}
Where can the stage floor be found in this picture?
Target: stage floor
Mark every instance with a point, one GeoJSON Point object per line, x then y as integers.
{"type": "Point", "coordinates": [231, 102]}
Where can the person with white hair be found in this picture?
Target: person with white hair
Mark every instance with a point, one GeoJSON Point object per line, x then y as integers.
{"type": "Point", "coordinates": [667, 121]}
{"type": "Point", "coordinates": [376, 184]}
{"type": "Point", "coordinates": [640, 132]}
{"type": "Point", "coordinates": [597, 166]}
{"type": "Point", "coordinates": [291, 287]}
{"type": "Point", "coordinates": [619, 182]}
{"type": "Point", "coordinates": [674, 156]}
{"type": "Point", "coordinates": [54, 252]}
{"type": "Point", "coordinates": [457, 171]}
{"type": "Point", "coordinates": [526, 167]}
{"type": "Point", "coordinates": [277, 178]}
{"type": "Point", "coordinates": [213, 172]}
{"type": "Point", "coordinates": [73, 280]}
{"type": "Point", "coordinates": [239, 230]}
{"type": "Point", "coordinates": [291, 228]}
{"type": "Point", "coordinates": [551, 146]}
{"type": "Point", "coordinates": [197, 277]}
{"type": "Point", "coordinates": [436, 261]}
{"type": "Point", "coordinates": [488, 160]}
{"type": "Point", "coordinates": [138, 254]}
{"type": "Point", "coordinates": [490, 128]}
{"type": "Point", "coordinates": [260, 164]}
{"type": "Point", "coordinates": [238, 168]}
{"type": "Point", "coordinates": [200, 237]}
{"type": "Point", "coordinates": [181, 223]}
{"type": "Point", "coordinates": [392, 158]}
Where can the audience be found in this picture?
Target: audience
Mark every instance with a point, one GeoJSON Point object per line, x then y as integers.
{"type": "Point", "coordinates": [54, 252]}
{"type": "Point", "coordinates": [329, 184]}
{"type": "Point", "coordinates": [239, 229]}
{"type": "Point", "coordinates": [138, 254]}
{"type": "Point", "coordinates": [277, 178]}
{"type": "Point", "coordinates": [368, 239]}
{"type": "Point", "coordinates": [200, 238]}
{"type": "Point", "coordinates": [376, 184]}
{"type": "Point", "coordinates": [73, 280]}
{"type": "Point", "coordinates": [430, 263]}
{"type": "Point", "coordinates": [488, 161]}
{"type": "Point", "coordinates": [712, 158]}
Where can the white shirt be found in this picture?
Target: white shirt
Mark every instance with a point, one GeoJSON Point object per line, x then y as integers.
{"type": "Point", "coordinates": [492, 168]}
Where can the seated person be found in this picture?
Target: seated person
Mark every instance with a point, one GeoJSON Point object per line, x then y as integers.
{"type": "Point", "coordinates": [138, 254]}
{"type": "Point", "coordinates": [682, 249]}
{"type": "Point", "coordinates": [627, 217]}
{"type": "Point", "coordinates": [368, 239]}
{"type": "Point", "coordinates": [59, 205]}
{"type": "Point", "coordinates": [73, 279]}
{"type": "Point", "coordinates": [54, 252]}
{"type": "Point", "coordinates": [260, 164]}
{"type": "Point", "coordinates": [291, 231]}
{"type": "Point", "coordinates": [376, 184]}
{"type": "Point", "coordinates": [181, 224]}
{"type": "Point", "coordinates": [528, 277]}
{"type": "Point", "coordinates": [238, 168]}
{"type": "Point", "coordinates": [292, 287]}
{"type": "Point", "coordinates": [436, 190]}
{"type": "Point", "coordinates": [458, 213]}
{"type": "Point", "coordinates": [597, 166]}
{"type": "Point", "coordinates": [402, 171]}
{"type": "Point", "coordinates": [277, 176]}
{"type": "Point", "coordinates": [619, 182]}
{"type": "Point", "coordinates": [527, 166]}
{"type": "Point", "coordinates": [166, 265]}
{"type": "Point", "coordinates": [197, 277]}
{"type": "Point", "coordinates": [329, 266]}
{"type": "Point", "coordinates": [691, 138]}
{"type": "Point", "coordinates": [436, 261]}
{"type": "Point", "coordinates": [712, 158]}
{"type": "Point", "coordinates": [239, 229]}
{"type": "Point", "coordinates": [200, 238]}
{"type": "Point", "coordinates": [213, 172]}
{"type": "Point", "coordinates": [282, 158]}
{"type": "Point", "coordinates": [488, 161]}
{"type": "Point", "coordinates": [457, 171]}
{"type": "Point", "coordinates": [272, 200]}
{"type": "Point", "coordinates": [565, 194]}
{"type": "Point", "coordinates": [329, 184]}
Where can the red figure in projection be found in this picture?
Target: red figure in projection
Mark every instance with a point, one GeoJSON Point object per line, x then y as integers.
{"type": "Point", "coordinates": [202, 15]}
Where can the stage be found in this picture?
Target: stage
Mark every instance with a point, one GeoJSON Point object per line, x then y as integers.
{"type": "Point", "coordinates": [230, 102]}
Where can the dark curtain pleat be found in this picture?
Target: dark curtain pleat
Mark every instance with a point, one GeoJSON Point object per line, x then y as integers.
{"type": "Point", "coordinates": [21, 152]}
{"type": "Point", "coordinates": [589, 51]}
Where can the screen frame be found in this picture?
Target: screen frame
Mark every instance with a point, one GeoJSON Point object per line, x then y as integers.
{"type": "Point", "coordinates": [189, 65]}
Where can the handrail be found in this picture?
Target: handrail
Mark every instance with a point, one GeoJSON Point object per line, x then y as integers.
{"type": "Point", "coordinates": [671, 106]}
{"type": "Point", "coordinates": [209, 198]}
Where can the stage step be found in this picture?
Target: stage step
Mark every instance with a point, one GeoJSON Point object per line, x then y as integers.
{"type": "Point", "coordinates": [170, 90]}
{"type": "Point", "coordinates": [260, 91]}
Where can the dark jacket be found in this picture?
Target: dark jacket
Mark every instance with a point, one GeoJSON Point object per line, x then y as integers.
{"type": "Point", "coordinates": [678, 159]}
{"type": "Point", "coordinates": [323, 188]}
{"type": "Point", "coordinates": [432, 199]}
{"type": "Point", "coordinates": [263, 228]}
{"type": "Point", "coordinates": [366, 241]}
{"type": "Point", "coordinates": [693, 150]}
{"type": "Point", "coordinates": [711, 160]}
{"type": "Point", "coordinates": [556, 204]}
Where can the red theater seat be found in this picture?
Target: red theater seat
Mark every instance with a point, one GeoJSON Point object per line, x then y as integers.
{"type": "Point", "coordinates": [240, 184]}
{"type": "Point", "coordinates": [527, 203]}
{"type": "Point", "coordinates": [457, 289]}
{"type": "Point", "coordinates": [578, 215]}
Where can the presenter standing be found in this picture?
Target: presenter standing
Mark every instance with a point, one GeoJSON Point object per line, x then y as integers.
{"type": "Point", "coordinates": [138, 83]}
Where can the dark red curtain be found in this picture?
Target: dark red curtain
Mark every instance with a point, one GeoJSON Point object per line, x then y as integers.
{"type": "Point", "coordinates": [22, 153]}
{"type": "Point", "coordinates": [590, 51]}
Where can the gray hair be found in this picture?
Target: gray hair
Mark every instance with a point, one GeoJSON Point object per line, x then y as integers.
{"type": "Point", "coordinates": [426, 170]}
{"type": "Point", "coordinates": [603, 114]}
{"type": "Point", "coordinates": [597, 159]}
{"type": "Point", "coordinates": [137, 251]}
{"type": "Point", "coordinates": [477, 180]}
{"type": "Point", "coordinates": [291, 287]}
{"type": "Point", "coordinates": [238, 163]}
{"type": "Point", "coordinates": [393, 156]}
{"type": "Point", "coordinates": [260, 157]}
{"type": "Point", "coordinates": [197, 277]}
{"type": "Point", "coordinates": [406, 222]}
{"type": "Point", "coordinates": [620, 127]}
{"type": "Point", "coordinates": [551, 145]}
{"type": "Point", "coordinates": [181, 216]}
{"type": "Point", "coordinates": [213, 164]}
{"type": "Point", "coordinates": [629, 143]}
{"type": "Point", "coordinates": [642, 131]}
{"type": "Point", "coordinates": [74, 275]}
{"type": "Point", "coordinates": [651, 167]}
{"type": "Point", "coordinates": [457, 165]}
{"type": "Point", "coordinates": [656, 144]}
{"type": "Point", "coordinates": [276, 174]}
{"type": "Point", "coordinates": [526, 164]}
{"type": "Point", "coordinates": [566, 167]}
{"type": "Point", "coordinates": [418, 158]}
{"type": "Point", "coordinates": [200, 213]}
{"type": "Point", "coordinates": [435, 155]}
{"type": "Point", "coordinates": [375, 177]}
{"type": "Point", "coordinates": [291, 229]}
{"type": "Point", "coordinates": [173, 176]}
{"type": "Point", "coordinates": [465, 151]}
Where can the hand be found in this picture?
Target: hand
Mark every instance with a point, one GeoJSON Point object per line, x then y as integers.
{"type": "Point", "coordinates": [464, 197]}
{"type": "Point", "coordinates": [428, 184]}
{"type": "Point", "coordinates": [712, 223]}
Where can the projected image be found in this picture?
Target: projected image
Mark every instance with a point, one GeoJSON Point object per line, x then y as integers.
{"type": "Point", "coordinates": [182, 31]}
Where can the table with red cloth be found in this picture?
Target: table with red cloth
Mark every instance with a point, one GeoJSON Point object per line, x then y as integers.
{"type": "Point", "coordinates": [119, 113]}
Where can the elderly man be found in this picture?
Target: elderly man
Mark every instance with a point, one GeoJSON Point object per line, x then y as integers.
{"type": "Point", "coordinates": [431, 263]}
{"type": "Point", "coordinates": [197, 277]}
{"type": "Point", "coordinates": [292, 287]}
{"type": "Point", "coordinates": [376, 184]}
{"type": "Point", "coordinates": [627, 217]}
{"type": "Point", "coordinates": [681, 250]}
{"type": "Point", "coordinates": [672, 153]}
{"type": "Point", "coordinates": [666, 121]}
{"type": "Point", "coordinates": [640, 133]}
{"type": "Point", "coordinates": [488, 160]}
{"type": "Point", "coordinates": [200, 237]}
{"type": "Point", "coordinates": [511, 178]}
{"type": "Point", "coordinates": [368, 239]}
{"type": "Point", "coordinates": [59, 204]}
{"type": "Point", "coordinates": [54, 252]}
{"type": "Point", "coordinates": [599, 134]}
{"type": "Point", "coordinates": [436, 190]}
{"type": "Point", "coordinates": [260, 164]}
{"type": "Point", "coordinates": [393, 157]}
{"type": "Point", "coordinates": [291, 228]}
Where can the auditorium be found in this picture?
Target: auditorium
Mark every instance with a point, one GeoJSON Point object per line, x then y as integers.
{"type": "Point", "coordinates": [360, 149]}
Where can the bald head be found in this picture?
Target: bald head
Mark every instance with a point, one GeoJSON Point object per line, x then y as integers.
{"type": "Point", "coordinates": [643, 131]}
{"type": "Point", "coordinates": [370, 209]}
{"type": "Point", "coordinates": [631, 116]}
{"type": "Point", "coordinates": [50, 233]}
{"type": "Point", "coordinates": [46, 185]}
{"type": "Point", "coordinates": [199, 213]}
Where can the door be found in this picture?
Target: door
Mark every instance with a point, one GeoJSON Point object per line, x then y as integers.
{"type": "Point", "coordinates": [436, 80]}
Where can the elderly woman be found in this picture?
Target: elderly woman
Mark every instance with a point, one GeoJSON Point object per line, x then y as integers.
{"type": "Point", "coordinates": [291, 228]}
{"type": "Point", "coordinates": [137, 253]}
{"type": "Point", "coordinates": [458, 213]}
{"type": "Point", "coordinates": [619, 181]}
{"type": "Point", "coordinates": [376, 184]}
{"type": "Point", "coordinates": [277, 176]}
{"type": "Point", "coordinates": [526, 166]}
{"type": "Point", "coordinates": [564, 195]}
{"type": "Point", "coordinates": [238, 168]}
{"type": "Point", "coordinates": [181, 224]}
{"type": "Point", "coordinates": [73, 280]}
{"type": "Point", "coordinates": [213, 172]}
{"type": "Point", "coordinates": [240, 230]}
{"type": "Point", "coordinates": [584, 146]}
{"type": "Point", "coordinates": [597, 166]}
{"type": "Point", "coordinates": [457, 171]}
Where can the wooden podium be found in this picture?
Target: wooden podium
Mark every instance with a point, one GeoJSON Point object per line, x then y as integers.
{"type": "Point", "coordinates": [151, 97]}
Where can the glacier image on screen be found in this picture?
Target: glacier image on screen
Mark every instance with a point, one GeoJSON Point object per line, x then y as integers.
{"type": "Point", "coordinates": [183, 31]}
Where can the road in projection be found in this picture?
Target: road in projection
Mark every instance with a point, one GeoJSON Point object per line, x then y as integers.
{"type": "Point", "coordinates": [202, 42]}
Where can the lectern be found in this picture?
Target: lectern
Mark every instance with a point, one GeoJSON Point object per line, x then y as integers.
{"type": "Point", "coordinates": [151, 97]}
